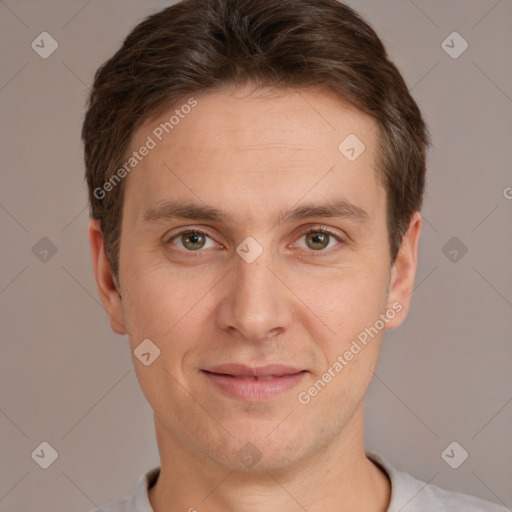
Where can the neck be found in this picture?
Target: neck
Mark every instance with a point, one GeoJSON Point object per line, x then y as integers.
{"type": "Point", "coordinates": [339, 477]}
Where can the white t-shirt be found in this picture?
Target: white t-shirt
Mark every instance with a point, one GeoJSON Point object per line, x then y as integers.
{"type": "Point", "coordinates": [407, 495]}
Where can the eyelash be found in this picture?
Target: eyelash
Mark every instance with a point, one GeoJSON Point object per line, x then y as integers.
{"type": "Point", "coordinates": [316, 229]}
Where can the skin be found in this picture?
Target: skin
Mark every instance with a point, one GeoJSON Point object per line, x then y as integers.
{"type": "Point", "coordinates": [253, 153]}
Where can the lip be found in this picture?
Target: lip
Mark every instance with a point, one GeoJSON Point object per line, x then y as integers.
{"type": "Point", "coordinates": [254, 384]}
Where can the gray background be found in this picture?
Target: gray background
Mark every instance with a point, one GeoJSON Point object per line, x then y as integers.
{"type": "Point", "coordinates": [66, 379]}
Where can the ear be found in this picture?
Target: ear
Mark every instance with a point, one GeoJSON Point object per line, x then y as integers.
{"type": "Point", "coordinates": [108, 291]}
{"type": "Point", "coordinates": [403, 273]}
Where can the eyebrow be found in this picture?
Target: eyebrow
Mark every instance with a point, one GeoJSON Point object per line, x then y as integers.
{"type": "Point", "coordinates": [188, 210]}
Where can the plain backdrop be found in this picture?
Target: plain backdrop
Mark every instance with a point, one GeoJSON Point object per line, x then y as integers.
{"type": "Point", "coordinates": [67, 380]}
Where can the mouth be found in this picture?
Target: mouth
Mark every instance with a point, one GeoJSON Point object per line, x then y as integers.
{"type": "Point", "coordinates": [253, 384]}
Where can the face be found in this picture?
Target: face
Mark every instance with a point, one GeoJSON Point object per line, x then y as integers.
{"type": "Point", "coordinates": [254, 255]}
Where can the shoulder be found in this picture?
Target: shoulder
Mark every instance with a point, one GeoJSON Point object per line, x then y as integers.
{"type": "Point", "coordinates": [125, 504]}
{"type": "Point", "coordinates": [411, 495]}
{"type": "Point", "coordinates": [137, 500]}
{"type": "Point", "coordinates": [415, 495]}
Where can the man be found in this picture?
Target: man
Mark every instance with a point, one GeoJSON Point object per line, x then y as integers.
{"type": "Point", "coordinates": [256, 173]}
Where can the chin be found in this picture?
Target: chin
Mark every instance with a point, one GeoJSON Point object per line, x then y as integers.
{"type": "Point", "coordinates": [260, 450]}
{"type": "Point", "coordinates": [251, 460]}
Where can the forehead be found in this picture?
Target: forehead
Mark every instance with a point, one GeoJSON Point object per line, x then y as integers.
{"type": "Point", "coordinates": [252, 119]}
{"type": "Point", "coordinates": [246, 148]}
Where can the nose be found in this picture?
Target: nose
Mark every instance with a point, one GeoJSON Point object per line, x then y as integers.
{"type": "Point", "coordinates": [257, 304]}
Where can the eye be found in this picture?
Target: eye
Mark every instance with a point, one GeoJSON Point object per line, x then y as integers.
{"type": "Point", "coordinates": [192, 240]}
{"type": "Point", "coordinates": [320, 238]}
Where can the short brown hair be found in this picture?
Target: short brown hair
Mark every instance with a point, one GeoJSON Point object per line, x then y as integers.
{"type": "Point", "coordinates": [199, 45]}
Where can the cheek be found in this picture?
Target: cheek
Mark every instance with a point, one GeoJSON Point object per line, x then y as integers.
{"type": "Point", "coordinates": [346, 301]}
{"type": "Point", "coordinates": [161, 303]}
{"type": "Point", "coordinates": [346, 310]}
{"type": "Point", "coordinates": [164, 307]}
{"type": "Point", "coordinates": [344, 383]}
{"type": "Point", "coordinates": [350, 351]}
{"type": "Point", "coordinates": [156, 293]}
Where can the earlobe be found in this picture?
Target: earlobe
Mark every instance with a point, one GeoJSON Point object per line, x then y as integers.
{"type": "Point", "coordinates": [105, 280]}
{"type": "Point", "coordinates": [403, 272]}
